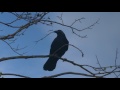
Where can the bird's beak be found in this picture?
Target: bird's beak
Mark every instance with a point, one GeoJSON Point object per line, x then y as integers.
{"type": "Point", "coordinates": [55, 31]}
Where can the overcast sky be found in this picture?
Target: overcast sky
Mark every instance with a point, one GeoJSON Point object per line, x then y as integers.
{"type": "Point", "coordinates": [102, 40]}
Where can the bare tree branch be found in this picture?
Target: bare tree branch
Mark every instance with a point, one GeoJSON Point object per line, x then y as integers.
{"type": "Point", "coordinates": [89, 27]}
{"type": "Point", "coordinates": [11, 74]}
{"type": "Point", "coordinates": [60, 17]}
{"type": "Point", "coordinates": [23, 57]}
{"type": "Point", "coordinates": [77, 49]}
{"type": "Point", "coordinates": [21, 28]}
{"type": "Point", "coordinates": [77, 20]}
{"type": "Point", "coordinates": [11, 47]}
{"type": "Point", "coordinates": [73, 73]}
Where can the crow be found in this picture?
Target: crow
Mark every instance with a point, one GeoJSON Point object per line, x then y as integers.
{"type": "Point", "coordinates": [58, 48]}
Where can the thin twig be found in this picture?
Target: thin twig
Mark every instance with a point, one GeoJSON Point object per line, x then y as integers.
{"type": "Point", "coordinates": [11, 47]}
{"type": "Point", "coordinates": [71, 26]}
{"type": "Point", "coordinates": [9, 25]}
{"type": "Point", "coordinates": [104, 70]}
{"type": "Point", "coordinates": [60, 17]}
{"type": "Point", "coordinates": [116, 57]}
{"type": "Point", "coordinates": [43, 37]}
{"type": "Point", "coordinates": [99, 63]}
{"type": "Point", "coordinates": [77, 49]}
{"type": "Point", "coordinates": [77, 20]}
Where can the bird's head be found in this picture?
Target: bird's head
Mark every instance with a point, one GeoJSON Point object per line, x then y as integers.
{"type": "Point", "coordinates": [59, 32]}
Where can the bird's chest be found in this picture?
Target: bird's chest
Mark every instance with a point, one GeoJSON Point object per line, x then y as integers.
{"type": "Point", "coordinates": [59, 45]}
{"type": "Point", "coordinates": [60, 41]}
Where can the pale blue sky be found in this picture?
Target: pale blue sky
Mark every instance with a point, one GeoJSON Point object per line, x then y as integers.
{"type": "Point", "coordinates": [103, 39]}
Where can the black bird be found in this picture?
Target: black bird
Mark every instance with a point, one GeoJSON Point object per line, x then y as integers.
{"type": "Point", "coordinates": [58, 48]}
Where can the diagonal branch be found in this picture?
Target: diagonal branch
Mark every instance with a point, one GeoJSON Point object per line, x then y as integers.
{"type": "Point", "coordinates": [74, 73]}
{"type": "Point", "coordinates": [64, 59]}
{"type": "Point", "coordinates": [11, 47]}
{"type": "Point", "coordinates": [22, 28]}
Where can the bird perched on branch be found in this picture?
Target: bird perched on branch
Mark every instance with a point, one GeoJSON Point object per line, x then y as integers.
{"type": "Point", "coordinates": [58, 48]}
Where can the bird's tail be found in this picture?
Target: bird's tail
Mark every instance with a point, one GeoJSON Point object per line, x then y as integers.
{"type": "Point", "coordinates": [50, 64]}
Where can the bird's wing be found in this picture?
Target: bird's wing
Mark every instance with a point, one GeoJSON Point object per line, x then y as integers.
{"type": "Point", "coordinates": [57, 44]}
